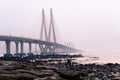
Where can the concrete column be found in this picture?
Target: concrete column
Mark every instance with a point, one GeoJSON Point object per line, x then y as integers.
{"type": "Point", "coordinates": [30, 47]}
{"type": "Point", "coordinates": [21, 47]}
{"type": "Point", "coordinates": [8, 47]}
{"type": "Point", "coordinates": [16, 43]}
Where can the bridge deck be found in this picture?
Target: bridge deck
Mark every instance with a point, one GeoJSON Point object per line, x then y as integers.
{"type": "Point", "coordinates": [30, 40]}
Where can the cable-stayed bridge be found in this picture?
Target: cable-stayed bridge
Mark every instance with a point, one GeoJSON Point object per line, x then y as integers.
{"type": "Point", "coordinates": [47, 42]}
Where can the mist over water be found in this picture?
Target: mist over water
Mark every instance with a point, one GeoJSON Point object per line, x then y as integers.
{"type": "Point", "coordinates": [92, 25]}
{"type": "Point", "coordinates": [101, 59]}
{"type": "Point", "coordinates": [89, 57]}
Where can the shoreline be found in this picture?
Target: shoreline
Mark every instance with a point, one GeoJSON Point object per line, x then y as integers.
{"type": "Point", "coordinates": [16, 70]}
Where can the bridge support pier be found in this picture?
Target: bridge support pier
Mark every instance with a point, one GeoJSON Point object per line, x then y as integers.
{"type": "Point", "coordinates": [21, 47]}
{"type": "Point", "coordinates": [7, 47]}
{"type": "Point", "coordinates": [16, 43]}
{"type": "Point", "coordinates": [8, 53]}
{"type": "Point", "coordinates": [30, 47]}
{"type": "Point", "coordinates": [22, 55]}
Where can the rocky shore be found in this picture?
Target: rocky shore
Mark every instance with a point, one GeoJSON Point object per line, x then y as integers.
{"type": "Point", "coordinates": [14, 70]}
{"type": "Point", "coordinates": [97, 72]}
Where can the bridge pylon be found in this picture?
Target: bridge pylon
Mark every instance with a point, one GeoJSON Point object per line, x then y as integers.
{"type": "Point", "coordinates": [43, 32]}
{"type": "Point", "coordinates": [51, 28]}
{"type": "Point", "coordinates": [47, 35]}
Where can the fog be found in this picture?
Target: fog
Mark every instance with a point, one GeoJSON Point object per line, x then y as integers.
{"type": "Point", "coordinates": [93, 25]}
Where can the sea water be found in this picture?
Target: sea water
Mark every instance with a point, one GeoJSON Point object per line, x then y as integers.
{"type": "Point", "coordinates": [98, 60]}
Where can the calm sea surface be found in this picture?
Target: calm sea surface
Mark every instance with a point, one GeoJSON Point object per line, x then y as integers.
{"type": "Point", "coordinates": [99, 60]}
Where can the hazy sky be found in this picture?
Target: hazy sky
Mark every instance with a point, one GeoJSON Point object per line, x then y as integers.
{"type": "Point", "coordinates": [94, 25]}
